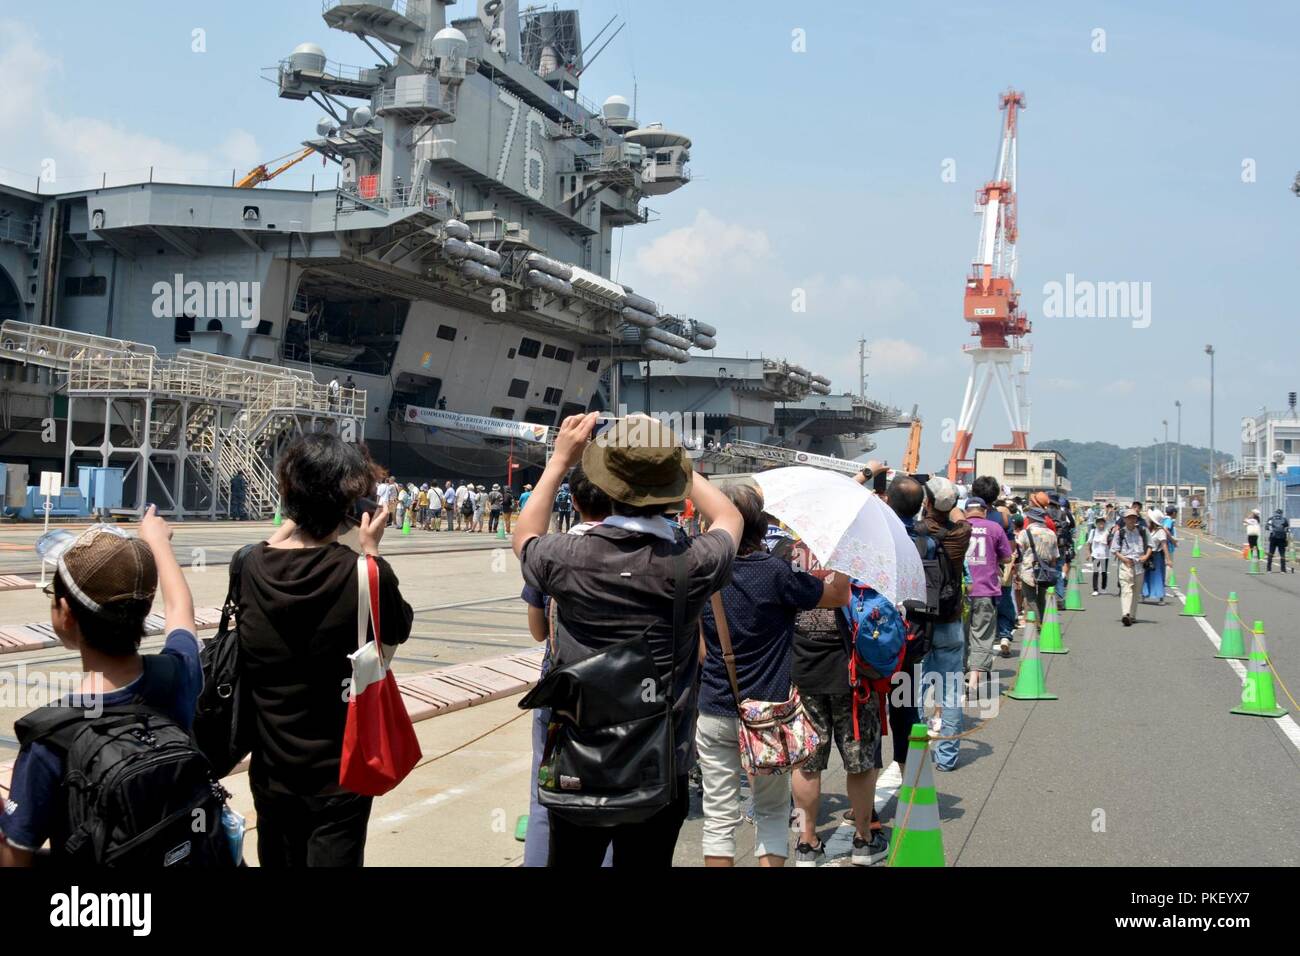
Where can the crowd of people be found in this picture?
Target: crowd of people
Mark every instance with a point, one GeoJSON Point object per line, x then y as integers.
{"type": "Point", "coordinates": [670, 609]}
{"type": "Point", "coordinates": [463, 505]}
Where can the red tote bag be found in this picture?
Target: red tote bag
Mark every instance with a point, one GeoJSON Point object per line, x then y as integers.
{"type": "Point", "coordinates": [379, 743]}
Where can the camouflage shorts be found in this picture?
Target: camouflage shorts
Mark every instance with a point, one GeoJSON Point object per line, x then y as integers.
{"type": "Point", "coordinates": [832, 715]}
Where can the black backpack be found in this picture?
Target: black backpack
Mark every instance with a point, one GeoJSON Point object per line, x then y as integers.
{"type": "Point", "coordinates": [942, 588]}
{"type": "Point", "coordinates": [467, 507]}
{"type": "Point", "coordinates": [1278, 526]}
{"type": "Point", "coordinates": [136, 791]}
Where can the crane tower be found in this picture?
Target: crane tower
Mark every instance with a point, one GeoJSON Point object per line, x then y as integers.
{"type": "Point", "coordinates": [992, 305]}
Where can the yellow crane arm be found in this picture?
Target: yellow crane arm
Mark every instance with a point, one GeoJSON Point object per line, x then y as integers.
{"type": "Point", "coordinates": [912, 457]}
{"type": "Point", "coordinates": [260, 174]}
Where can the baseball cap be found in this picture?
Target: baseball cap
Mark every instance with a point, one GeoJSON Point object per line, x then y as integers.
{"type": "Point", "coordinates": [105, 566]}
{"type": "Point", "coordinates": [974, 502]}
{"type": "Point", "coordinates": [943, 492]}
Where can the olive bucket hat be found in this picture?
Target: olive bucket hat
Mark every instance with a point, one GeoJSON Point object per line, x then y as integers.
{"type": "Point", "coordinates": [639, 462]}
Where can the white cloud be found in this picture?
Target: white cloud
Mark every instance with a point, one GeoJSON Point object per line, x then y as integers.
{"type": "Point", "coordinates": [1123, 386]}
{"type": "Point", "coordinates": [34, 131]}
{"type": "Point", "coordinates": [895, 357]}
{"type": "Point", "coordinates": [706, 250]}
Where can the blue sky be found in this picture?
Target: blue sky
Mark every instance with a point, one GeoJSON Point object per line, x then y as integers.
{"type": "Point", "coordinates": [821, 171]}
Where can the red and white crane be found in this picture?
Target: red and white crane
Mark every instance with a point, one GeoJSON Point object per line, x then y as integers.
{"type": "Point", "coordinates": [992, 305]}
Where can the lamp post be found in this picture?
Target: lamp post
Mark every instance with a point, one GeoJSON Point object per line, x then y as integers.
{"type": "Point", "coordinates": [1211, 518]}
{"type": "Point", "coordinates": [1165, 422]}
{"type": "Point", "coordinates": [1178, 462]}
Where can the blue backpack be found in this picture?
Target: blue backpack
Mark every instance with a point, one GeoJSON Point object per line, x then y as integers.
{"type": "Point", "coordinates": [879, 634]}
{"type": "Point", "coordinates": [879, 645]}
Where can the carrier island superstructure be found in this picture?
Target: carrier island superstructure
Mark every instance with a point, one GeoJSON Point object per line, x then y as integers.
{"type": "Point", "coordinates": [459, 262]}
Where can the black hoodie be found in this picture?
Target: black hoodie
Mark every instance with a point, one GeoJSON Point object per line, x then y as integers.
{"type": "Point", "coordinates": [297, 626]}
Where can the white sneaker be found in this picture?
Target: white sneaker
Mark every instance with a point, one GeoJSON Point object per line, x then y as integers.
{"type": "Point", "coordinates": [1095, 593]}
{"type": "Point", "coordinates": [1005, 648]}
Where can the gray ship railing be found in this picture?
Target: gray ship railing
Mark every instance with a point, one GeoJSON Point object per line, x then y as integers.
{"type": "Point", "coordinates": [19, 231]}
{"type": "Point", "coordinates": [396, 6]}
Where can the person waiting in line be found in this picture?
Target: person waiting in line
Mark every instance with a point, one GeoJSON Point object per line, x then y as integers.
{"type": "Point", "coordinates": [1038, 559]}
{"type": "Point", "coordinates": [987, 555]}
{"type": "Point", "coordinates": [986, 488]}
{"type": "Point", "coordinates": [494, 500]}
{"type": "Point", "coordinates": [945, 666]}
{"type": "Point", "coordinates": [601, 600]}
{"type": "Point", "coordinates": [593, 507]}
{"type": "Point", "coordinates": [760, 604]}
{"type": "Point", "coordinates": [508, 506]}
{"type": "Point", "coordinates": [297, 625]}
{"type": "Point", "coordinates": [563, 507]}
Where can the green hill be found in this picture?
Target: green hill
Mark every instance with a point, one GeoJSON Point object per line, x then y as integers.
{"type": "Point", "coordinates": [1100, 466]}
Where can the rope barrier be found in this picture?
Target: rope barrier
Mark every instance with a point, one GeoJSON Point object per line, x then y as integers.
{"type": "Point", "coordinates": [1204, 591]}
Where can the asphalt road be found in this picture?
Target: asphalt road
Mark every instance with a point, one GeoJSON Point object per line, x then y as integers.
{"type": "Point", "coordinates": [1138, 763]}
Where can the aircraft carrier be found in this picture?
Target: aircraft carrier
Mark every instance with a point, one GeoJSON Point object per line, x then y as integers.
{"type": "Point", "coordinates": [449, 299]}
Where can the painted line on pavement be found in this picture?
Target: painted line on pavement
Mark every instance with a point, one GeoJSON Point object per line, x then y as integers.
{"type": "Point", "coordinates": [1286, 722]}
{"type": "Point", "coordinates": [481, 782]}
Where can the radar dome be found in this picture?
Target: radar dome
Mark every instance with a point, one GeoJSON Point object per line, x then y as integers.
{"type": "Point", "coordinates": [449, 42]}
{"type": "Point", "coordinates": [616, 107]}
{"type": "Point", "coordinates": [325, 126]}
{"type": "Point", "coordinates": [361, 116]}
{"type": "Point", "coordinates": [308, 56]}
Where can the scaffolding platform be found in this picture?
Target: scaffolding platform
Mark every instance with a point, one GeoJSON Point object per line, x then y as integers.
{"type": "Point", "coordinates": [183, 426]}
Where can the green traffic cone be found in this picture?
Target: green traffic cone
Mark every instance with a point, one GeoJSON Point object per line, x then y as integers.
{"type": "Point", "coordinates": [1049, 638]}
{"type": "Point", "coordinates": [1254, 563]}
{"type": "Point", "coordinates": [406, 522]}
{"type": "Point", "coordinates": [1078, 579]}
{"type": "Point", "coordinates": [1073, 597]}
{"type": "Point", "coordinates": [1170, 580]}
{"type": "Point", "coordinates": [278, 520]}
{"type": "Point", "coordinates": [1230, 645]}
{"type": "Point", "coordinates": [1192, 606]}
{"type": "Point", "coordinates": [917, 838]}
{"type": "Point", "coordinates": [1030, 683]}
{"type": "Point", "coordinates": [501, 531]}
{"type": "Point", "coordinates": [1257, 698]}
{"type": "Point", "coordinates": [1196, 547]}
{"type": "Point", "coordinates": [521, 828]}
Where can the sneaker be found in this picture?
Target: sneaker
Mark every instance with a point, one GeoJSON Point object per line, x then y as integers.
{"type": "Point", "coordinates": [1006, 647]}
{"type": "Point", "coordinates": [1095, 593]}
{"type": "Point", "coordinates": [749, 810]}
{"type": "Point", "coordinates": [867, 852]}
{"type": "Point", "coordinates": [805, 855]}
{"type": "Point", "coordinates": [1127, 620]}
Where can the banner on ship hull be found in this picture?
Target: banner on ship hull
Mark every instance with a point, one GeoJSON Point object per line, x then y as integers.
{"type": "Point", "coordinates": [825, 461]}
{"type": "Point", "coordinates": [499, 427]}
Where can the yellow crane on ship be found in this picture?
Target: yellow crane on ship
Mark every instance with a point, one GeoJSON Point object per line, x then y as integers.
{"type": "Point", "coordinates": [261, 174]}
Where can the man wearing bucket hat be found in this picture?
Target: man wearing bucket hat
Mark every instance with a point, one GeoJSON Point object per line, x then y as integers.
{"type": "Point", "coordinates": [1130, 545]}
{"type": "Point", "coordinates": [616, 583]}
